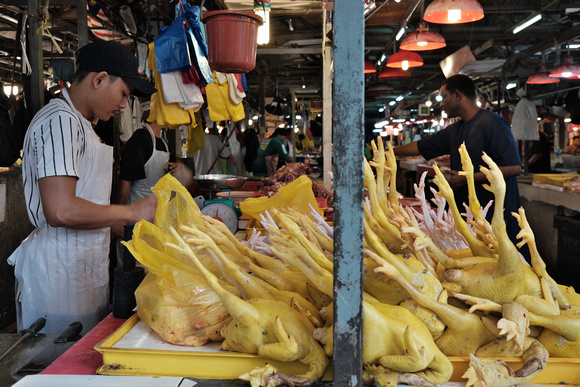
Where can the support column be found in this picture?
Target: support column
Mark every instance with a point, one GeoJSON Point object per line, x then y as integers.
{"type": "Point", "coordinates": [326, 100]}
{"type": "Point", "coordinates": [348, 134]}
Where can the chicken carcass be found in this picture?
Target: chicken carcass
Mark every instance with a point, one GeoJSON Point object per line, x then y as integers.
{"type": "Point", "coordinates": [269, 328]}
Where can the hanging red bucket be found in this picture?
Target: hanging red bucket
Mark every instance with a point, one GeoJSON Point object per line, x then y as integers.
{"type": "Point", "coordinates": [232, 40]}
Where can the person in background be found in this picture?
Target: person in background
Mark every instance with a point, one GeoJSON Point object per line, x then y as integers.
{"type": "Point", "coordinates": [206, 160]}
{"type": "Point", "coordinates": [252, 143]}
{"type": "Point", "coordinates": [416, 133]}
{"type": "Point", "coordinates": [481, 131]}
{"type": "Point", "coordinates": [575, 146]}
{"type": "Point", "coordinates": [287, 140]}
{"type": "Point", "coordinates": [539, 162]}
{"type": "Point", "coordinates": [267, 161]}
{"type": "Point", "coordinates": [62, 268]}
{"type": "Point", "coordinates": [145, 160]}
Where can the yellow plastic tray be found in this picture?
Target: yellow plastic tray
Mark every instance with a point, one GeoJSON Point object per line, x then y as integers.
{"type": "Point", "coordinates": [203, 365]}
{"type": "Point", "coordinates": [553, 178]}
{"type": "Point", "coordinates": [230, 365]}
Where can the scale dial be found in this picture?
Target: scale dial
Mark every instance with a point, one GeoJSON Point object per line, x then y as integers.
{"type": "Point", "coordinates": [224, 213]}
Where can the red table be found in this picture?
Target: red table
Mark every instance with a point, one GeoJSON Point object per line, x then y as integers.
{"type": "Point", "coordinates": [82, 358]}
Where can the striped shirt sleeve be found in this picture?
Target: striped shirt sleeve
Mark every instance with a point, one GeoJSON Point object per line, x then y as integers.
{"type": "Point", "coordinates": [59, 143]}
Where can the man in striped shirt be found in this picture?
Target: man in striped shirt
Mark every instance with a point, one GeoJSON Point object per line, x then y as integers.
{"type": "Point", "coordinates": [61, 269]}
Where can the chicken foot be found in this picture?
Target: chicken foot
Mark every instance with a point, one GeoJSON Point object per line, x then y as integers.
{"type": "Point", "coordinates": [478, 248]}
{"type": "Point", "coordinates": [235, 246]}
{"type": "Point", "coordinates": [538, 263]}
{"type": "Point", "coordinates": [252, 286]}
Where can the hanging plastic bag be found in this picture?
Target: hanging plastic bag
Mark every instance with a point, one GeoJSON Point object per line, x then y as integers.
{"type": "Point", "coordinates": [165, 115]}
{"type": "Point", "coordinates": [196, 41]}
{"type": "Point", "coordinates": [220, 107]}
{"type": "Point", "coordinates": [297, 194]}
{"type": "Point", "coordinates": [171, 47]}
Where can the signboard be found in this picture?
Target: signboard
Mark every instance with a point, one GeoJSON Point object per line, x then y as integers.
{"type": "Point", "coordinates": [454, 62]}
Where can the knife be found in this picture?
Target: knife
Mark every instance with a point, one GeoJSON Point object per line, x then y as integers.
{"type": "Point", "coordinates": [70, 333]}
{"type": "Point", "coordinates": [26, 333]}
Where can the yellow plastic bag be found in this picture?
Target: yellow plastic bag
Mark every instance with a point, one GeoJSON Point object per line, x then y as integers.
{"type": "Point", "coordinates": [174, 204]}
{"type": "Point", "coordinates": [297, 194]}
{"type": "Point", "coordinates": [178, 311]}
{"type": "Point", "coordinates": [195, 138]}
{"type": "Point", "coordinates": [162, 113]}
{"type": "Point", "coordinates": [174, 299]}
{"type": "Point", "coordinates": [221, 107]}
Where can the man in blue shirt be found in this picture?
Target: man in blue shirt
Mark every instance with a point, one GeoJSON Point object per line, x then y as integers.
{"type": "Point", "coordinates": [481, 131]}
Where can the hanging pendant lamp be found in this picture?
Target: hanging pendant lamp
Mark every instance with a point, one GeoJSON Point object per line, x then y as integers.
{"type": "Point", "coordinates": [453, 11]}
{"type": "Point", "coordinates": [542, 77]}
{"type": "Point", "coordinates": [422, 40]}
{"type": "Point", "coordinates": [394, 73]}
{"type": "Point", "coordinates": [369, 67]}
{"type": "Point", "coordinates": [568, 69]}
{"type": "Point", "coordinates": [404, 60]}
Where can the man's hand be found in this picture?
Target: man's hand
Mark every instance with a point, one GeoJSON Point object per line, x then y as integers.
{"type": "Point", "coordinates": [182, 173]}
{"type": "Point", "coordinates": [456, 180]}
{"type": "Point", "coordinates": [144, 209]}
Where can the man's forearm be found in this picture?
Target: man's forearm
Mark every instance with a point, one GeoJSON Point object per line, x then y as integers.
{"type": "Point", "coordinates": [410, 149]}
{"type": "Point", "coordinates": [63, 208]}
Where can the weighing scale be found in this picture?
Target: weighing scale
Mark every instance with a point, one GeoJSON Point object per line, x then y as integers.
{"type": "Point", "coordinates": [221, 209]}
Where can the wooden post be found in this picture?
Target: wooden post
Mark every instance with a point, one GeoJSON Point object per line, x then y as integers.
{"type": "Point", "coordinates": [82, 26]}
{"type": "Point", "coordinates": [35, 56]}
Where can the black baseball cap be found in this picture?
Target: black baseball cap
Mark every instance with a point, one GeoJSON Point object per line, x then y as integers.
{"type": "Point", "coordinates": [115, 59]}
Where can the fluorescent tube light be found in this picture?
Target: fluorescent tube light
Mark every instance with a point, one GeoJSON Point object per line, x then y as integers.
{"type": "Point", "coordinates": [527, 22]}
{"type": "Point", "coordinates": [400, 33]}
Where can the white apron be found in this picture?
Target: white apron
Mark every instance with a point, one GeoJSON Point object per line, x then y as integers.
{"type": "Point", "coordinates": [62, 274]}
{"type": "Point", "coordinates": [155, 168]}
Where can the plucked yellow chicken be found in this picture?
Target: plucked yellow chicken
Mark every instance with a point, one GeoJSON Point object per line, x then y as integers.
{"type": "Point", "coordinates": [496, 373]}
{"type": "Point", "coordinates": [465, 332]}
{"type": "Point", "coordinates": [561, 333]}
{"type": "Point", "coordinates": [500, 281]}
{"type": "Point", "coordinates": [269, 328]}
{"type": "Point", "coordinates": [397, 346]}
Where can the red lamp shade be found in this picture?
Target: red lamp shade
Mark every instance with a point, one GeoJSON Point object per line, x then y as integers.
{"type": "Point", "coordinates": [404, 60]}
{"type": "Point", "coordinates": [453, 11]}
{"type": "Point", "coordinates": [568, 69]}
{"type": "Point", "coordinates": [422, 40]}
{"type": "Point", "coordinates": [394, 73]}
{"type": "Point", "coordinates": [369, 67]}
{"type": "Point", "coordinates": [542, 77]}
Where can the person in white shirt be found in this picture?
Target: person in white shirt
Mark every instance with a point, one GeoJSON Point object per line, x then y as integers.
{"type": "Point", "coordinates": [207, 159]}
{"type": "Point", "coordinates": [62, 268]}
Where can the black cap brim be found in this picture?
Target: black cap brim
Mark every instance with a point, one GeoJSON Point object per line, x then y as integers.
{"type": "Point", "coordinates": [141, 87]}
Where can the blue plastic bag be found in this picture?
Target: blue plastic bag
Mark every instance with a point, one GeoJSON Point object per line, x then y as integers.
{"type": "Point", "coordinates": [171, 47]}
{"type": "Point", "coordinates": [196, 41]}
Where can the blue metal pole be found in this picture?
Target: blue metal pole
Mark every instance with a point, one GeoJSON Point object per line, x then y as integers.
{"type": "Point", "coordinates": [348, 143]}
